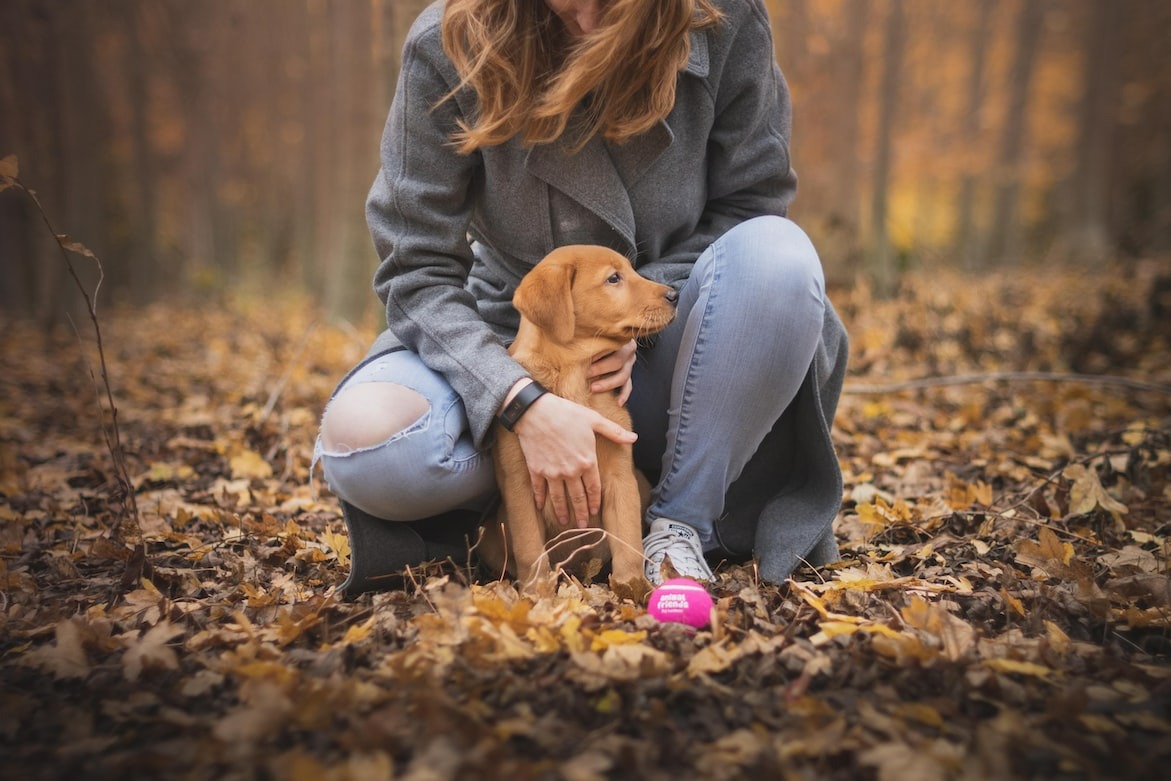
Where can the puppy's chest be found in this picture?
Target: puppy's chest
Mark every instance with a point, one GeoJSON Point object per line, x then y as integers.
{"type": "Point", "coordinates": [569, 381]}
{"type": "Point", "coordinates": [577, 390]}
{"type": "Point", "coordinates": [607, 404]}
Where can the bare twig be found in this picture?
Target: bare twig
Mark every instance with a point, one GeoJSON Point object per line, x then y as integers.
{"type": "Point", "coordinates": [973, 379]}
{"type": "Point", "coordinates": [125, 494]}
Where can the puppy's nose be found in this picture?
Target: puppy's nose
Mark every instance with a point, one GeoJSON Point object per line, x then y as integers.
{"type": "Point", "coordinates": [671, 295]}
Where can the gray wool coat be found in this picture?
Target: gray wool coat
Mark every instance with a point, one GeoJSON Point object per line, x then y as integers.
{"type": "Point", "coordinates": [455, 234]}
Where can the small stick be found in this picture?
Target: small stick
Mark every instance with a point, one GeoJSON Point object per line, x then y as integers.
{"type": "Point", "coordinates": [972, 379]}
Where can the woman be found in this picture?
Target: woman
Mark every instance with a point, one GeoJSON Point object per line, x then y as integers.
{"type": "Point", "coordinates": [660, 129]}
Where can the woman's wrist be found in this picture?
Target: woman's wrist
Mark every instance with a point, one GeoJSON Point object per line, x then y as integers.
{"type": "Point", "coordinates": [518, 400]}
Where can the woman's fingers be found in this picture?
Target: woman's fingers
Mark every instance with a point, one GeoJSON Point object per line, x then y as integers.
{"type": "Point", "coordinates": [611, 371]}
{"type": "Point", "coordinates": [624, 396]}
{"type": "Point", "coordinates": [559, 440]}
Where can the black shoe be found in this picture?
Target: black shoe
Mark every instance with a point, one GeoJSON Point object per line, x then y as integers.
{"type": "Point", "coordinates": [380, 550]}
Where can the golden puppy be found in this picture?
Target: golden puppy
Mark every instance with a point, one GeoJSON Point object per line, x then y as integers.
{"type": "Point", "coordinates": [579, 302]}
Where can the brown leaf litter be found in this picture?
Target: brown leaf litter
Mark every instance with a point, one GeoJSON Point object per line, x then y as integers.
{"type": "Point", "coordinates": [1002, 608]}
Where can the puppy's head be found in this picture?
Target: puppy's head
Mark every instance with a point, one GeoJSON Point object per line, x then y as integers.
{"type": "Point", "coordinates": [587, 291]}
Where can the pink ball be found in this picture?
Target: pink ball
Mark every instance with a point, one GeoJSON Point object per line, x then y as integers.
{"type": "Point", "coordinates": [683, 601]}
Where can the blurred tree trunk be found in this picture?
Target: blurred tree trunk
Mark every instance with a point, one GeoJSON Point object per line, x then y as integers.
{"type": "Point", "coordinates": [1006, 244]}
{"type": "Point", "coordinates": [194, 53]}
{"type": "Point", "coordinates": [968, 239]}
{"type": "Point", "coordinates": [882, 263]}
{"type": "Point", "coordinates": [141, 28]}
{"type": "Point", "coordinates": [345, 264]}
{"type": "Point", "coordinates": [295, 257]}
{"type": "Point", "coordinates": [49, 147]}
{"type": "Point", "coordinates": [933, 22]}
{"type": "Point", "coordinates": [319, 134]}
{"type": "Point", "coordinates": [16, 279]}
{"type": "Point", "coordinates": [1140, 198]}
{"type": "Point", "coordinates": [75, 200]}
{"type": "Point", "coordinates": [237, 98]}
{"type": "Point", "coordinates": [363, 55]}
{"type": "Point", "coordinates": [845, 182]}
{"type": "Point", "coordinates": [1089, 231]}
{"type": "Point", "coordinates": [278, 79]}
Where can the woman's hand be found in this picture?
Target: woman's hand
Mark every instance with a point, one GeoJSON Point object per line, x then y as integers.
{"type": "Point", "coordinates": [610, 371]}
{"type": "Point", "coordinates": [559, 441]}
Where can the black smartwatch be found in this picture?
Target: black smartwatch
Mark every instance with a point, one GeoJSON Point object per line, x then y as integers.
{"type": "Point", "coordinates": [520, 404]}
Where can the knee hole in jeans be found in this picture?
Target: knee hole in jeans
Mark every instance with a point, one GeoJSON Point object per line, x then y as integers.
{"type": "Point", "coordinates": [369, 413]}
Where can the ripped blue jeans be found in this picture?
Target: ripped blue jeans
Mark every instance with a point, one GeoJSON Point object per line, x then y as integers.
{"type": "Point", "coordinates": [706, 392]}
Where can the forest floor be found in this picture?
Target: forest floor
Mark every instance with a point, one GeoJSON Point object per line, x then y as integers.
{"type": "Point", "coordinates": [1002, 608]}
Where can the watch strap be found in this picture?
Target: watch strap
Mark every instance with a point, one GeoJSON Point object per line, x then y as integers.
{"type": "Point", "coordinates": [520, 404]}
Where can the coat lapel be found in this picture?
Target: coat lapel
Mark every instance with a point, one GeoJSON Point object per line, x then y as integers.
{"type": "Point", "coordinates": [588, 177]}
{"type": "Point", "coordinates": [599, 175]}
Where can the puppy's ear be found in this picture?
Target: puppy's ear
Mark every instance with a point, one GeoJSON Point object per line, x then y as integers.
{"type": "Point", "coordinates": [545, 297]}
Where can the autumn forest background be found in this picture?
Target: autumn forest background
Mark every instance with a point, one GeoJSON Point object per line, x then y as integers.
{"type": "Point", "coordinates": [989, 185]}
{"type": "Point", "coordinates": [196, 146]}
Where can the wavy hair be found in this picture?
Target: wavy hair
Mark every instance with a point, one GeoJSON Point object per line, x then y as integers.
{"type": "Point", "coordinates": [529, 75]}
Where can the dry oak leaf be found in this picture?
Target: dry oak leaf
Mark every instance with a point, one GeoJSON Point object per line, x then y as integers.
{"type": "Point", "coordinates": [900, 762]}
{"type": "Point", "coordinates": [66, 241]}
{"type": "Point", "coordinates": [624, 662]}
{"type": "Point", "coordinates": [714, 658]}
{"type": "Point", "coordinates": [737, 749]}
{"type": "Point", "coordinates": [339, 544]}
{"type": "Point", "coordinates": [587, 766]}
{"type": "Point", "coordinates": [609, 637]}
{"type": "Point", "coordinates": [1130, 558]}
{"type": "Point", "coordinates": [1017, 666]}
{"type": "Point", "coordinates": [247, 464]}
{"type": "Point", "coordinates": [956, 635]}
{"type": "Point", "coordinates": [9, 168]}
{"type": "Point", "coordinates": [1050, 554]}
{"type": "Point", "coordinates": [151, 650]}
{"type": "Point", "coordinates": [1087, 493]}
{"type": "Point", "coordinates": [497, 642]}
{"type": "Point", "coordinates": [66, 657]}
{"type": "Point", "coordinates": [831, 629]}
{"type": "Point", "coordinates": [266, 708]}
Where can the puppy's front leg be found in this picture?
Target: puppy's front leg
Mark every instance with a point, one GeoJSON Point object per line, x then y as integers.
{"type": "Point", "coordinates": [524, 526]}
{"type": "Point", "coordinates": [622, 520]}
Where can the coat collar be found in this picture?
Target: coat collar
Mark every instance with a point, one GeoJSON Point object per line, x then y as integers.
{"type": "Point", "coordinates": [600, 174]}
{"type": "Point", "coordinates": [698, 63]}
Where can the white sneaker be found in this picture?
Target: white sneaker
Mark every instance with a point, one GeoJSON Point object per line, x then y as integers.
{"type": "Point", "coordinates": [679, 541]}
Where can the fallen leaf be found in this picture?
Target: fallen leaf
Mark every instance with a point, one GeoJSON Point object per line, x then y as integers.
{"type": "Point", "coordinates": [956, 635]}
{"type": "Point", "coordinates": [1015, 666]}
{"type": "Point", "coordinates": [247, 464]}
{"type": "Point", "coordinates": [66, 657]}
{"type": "Point", "coordinates": [151, 650]}
{"type": "Point", "coordinates": [900, 762]}
{"type": "Point", "coordinates": [266, 707]}
{"type": "Point", "coordinates": [714, 658]}
{"type": "Point", "coordinates": [1087, 494]}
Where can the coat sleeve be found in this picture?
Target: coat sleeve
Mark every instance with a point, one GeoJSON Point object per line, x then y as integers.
{"type": "Point", "coordinates": [748, 165]}
{"type": "Point", "coordinates": [418, 211]}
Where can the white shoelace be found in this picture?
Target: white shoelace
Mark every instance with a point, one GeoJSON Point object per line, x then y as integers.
{"type": "Point", "coordinates": [681, 543]}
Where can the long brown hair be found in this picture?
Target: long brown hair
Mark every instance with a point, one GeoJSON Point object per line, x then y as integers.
{"type": "Point", "coordinates": [529, 74]}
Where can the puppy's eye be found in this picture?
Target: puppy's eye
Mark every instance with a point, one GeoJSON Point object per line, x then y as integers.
{"type": "Point", "coordinates": [614, 278]}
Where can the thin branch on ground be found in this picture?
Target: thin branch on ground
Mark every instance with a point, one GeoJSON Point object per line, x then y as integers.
{"type": "Point", "coordinates": [975, 379]}
{"type": "Point", "coordinates": [124, 495]}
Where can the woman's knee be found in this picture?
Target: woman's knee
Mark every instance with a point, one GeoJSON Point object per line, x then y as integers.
{"type": "Point", "coordinates": [775, 263]}
{"type": "Point", "coordinates": [366, 414]}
